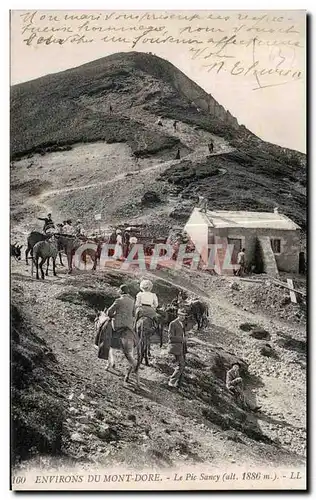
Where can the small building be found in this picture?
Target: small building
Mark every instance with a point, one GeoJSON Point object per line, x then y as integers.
{"type": "Point", "coordinates": [271, 240]}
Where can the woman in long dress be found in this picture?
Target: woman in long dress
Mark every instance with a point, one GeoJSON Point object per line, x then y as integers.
{"type": "Point", "coordinates": [118, 250]}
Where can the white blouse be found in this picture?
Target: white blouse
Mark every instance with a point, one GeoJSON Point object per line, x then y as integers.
{"type": "Point", "coordinates": [146, 299]}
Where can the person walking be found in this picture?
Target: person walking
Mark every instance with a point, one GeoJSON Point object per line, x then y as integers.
{"type": "Point", "coordinates": [211, 147]}
{"type": "Point", "coordinates": [178, 347]}
{"type": "Point", "coordinates": [175, 123]}
{"type": "Point", "coordinates": [178, 154]}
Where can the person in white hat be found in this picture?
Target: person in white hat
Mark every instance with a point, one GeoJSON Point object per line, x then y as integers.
{"type": "Point", "coordinates": [118, 250]}
{"type": "Point", "coordinates": [146, 301]}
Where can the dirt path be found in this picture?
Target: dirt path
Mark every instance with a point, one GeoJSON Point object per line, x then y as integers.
{"type": "Point", "coordinates": [200, 152]}
{"type": "Point", "coordinates": [163, 417]}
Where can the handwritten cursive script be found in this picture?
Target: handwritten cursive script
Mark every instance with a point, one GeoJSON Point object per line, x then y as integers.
{"type": "Point", "coordinates": [241, 44]}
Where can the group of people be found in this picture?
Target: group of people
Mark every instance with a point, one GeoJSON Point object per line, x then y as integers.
{"type": "Point", "coordinates": [65, 227]}
{"type": "Point", "coordinates": [123, 241]}
{"type": "Point", "coordinates": [125, 312]}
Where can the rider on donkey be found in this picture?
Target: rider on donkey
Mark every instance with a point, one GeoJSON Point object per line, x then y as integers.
{"type": "Point", "coordinates": [146, 303]}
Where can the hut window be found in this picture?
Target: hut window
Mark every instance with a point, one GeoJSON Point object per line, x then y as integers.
{"type": "Point", "coordinates": [276, 245]}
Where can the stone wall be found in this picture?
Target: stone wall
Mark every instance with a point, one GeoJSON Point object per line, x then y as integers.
{"type": "Point", "coordinates": [287, 260]}
{"type": "Point", "coordinates": [269, 262]}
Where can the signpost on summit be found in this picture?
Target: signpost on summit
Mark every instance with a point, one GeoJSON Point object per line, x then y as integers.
{"type": "Point", "coordinates": [201, 283]}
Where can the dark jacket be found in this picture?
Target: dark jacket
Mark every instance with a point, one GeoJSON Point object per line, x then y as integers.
{"type": "Point", "coordinates": [121, 312]}
{"type": "Point", "coordinates": [49, 224]}
{"type": "Point", "coordinates": [177, 338]}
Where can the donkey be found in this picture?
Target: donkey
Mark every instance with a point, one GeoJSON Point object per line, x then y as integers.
{"type": "Point", "coordinates": [146, 327]}
{"type": "Point", "coordinates": [106, 340]}
{"type": "Point", "coordinates": [15, 251]}
{"type": "Point", "coordinates": [44, 250]}
{"type": "Point", "coordinates": [69, 244]}
{"type": "Point", "coordinates": [33, 238]}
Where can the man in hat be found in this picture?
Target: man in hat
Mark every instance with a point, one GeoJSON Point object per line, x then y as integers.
{"type": "Point", "coordinates": [121, 311]}
{"type": "Point", "coordinates": [122, 322]}
{"type": "Point", "coordinates": [234, 384]}
{"type": "Point", "coordinates": [48, 223]}
{"type": "Point", "coordinates": [177, 347]}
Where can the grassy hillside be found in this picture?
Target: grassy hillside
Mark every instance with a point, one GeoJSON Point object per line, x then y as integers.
{"type": "Point", "coordinates": [241, 181]}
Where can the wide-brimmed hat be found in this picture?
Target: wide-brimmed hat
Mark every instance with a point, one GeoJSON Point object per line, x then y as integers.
{"type": "Point", "coordinates": [146, 285]}
{"type": "Point", "coordinates": [118, 231]}
{"type": "Point", "coordinates": [236, 363]}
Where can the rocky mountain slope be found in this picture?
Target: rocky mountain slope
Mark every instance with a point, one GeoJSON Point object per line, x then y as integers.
{"type": "Point", "coordinates": [57, 111]}
{"type": "Point", "coordinates": [71, 155]}
{"type": "Point", "coordinates": [96, 419]}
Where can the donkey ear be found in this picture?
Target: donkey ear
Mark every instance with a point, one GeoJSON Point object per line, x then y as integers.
{"type": "Point", "coordinates": [20, 246]}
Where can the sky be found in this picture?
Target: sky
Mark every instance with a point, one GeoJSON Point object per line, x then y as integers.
{"type": "Point", "coordinates": [259, 75]}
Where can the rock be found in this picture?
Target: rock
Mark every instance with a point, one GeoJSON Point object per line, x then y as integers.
{"type": "Point", "coordinates": [73, 410]}
{"type": "Point", "coordinates": [247, 327]}
{"type": "Point", "coordinates": [150, 197]}
{"type": "Point", "coordinates": [78, 438]}
{"type": "Point", "coordinates": [132, 417]}
{"type": "Point", "coordinates": [234, 286]}
{"type": "Point", "coordinates": [104, 431]}
{"type": "Point", "coordinates": [260, 334]}
{"type": "Point", "coordinates": [267, 350]}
